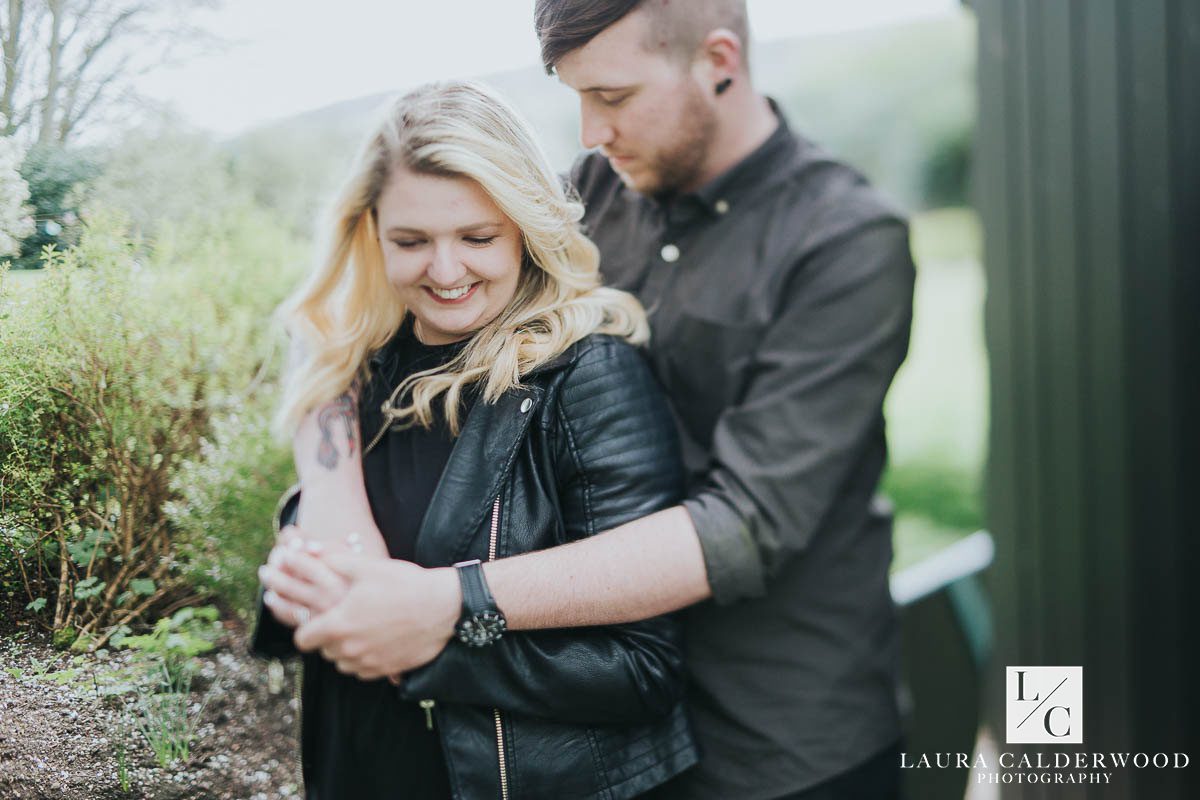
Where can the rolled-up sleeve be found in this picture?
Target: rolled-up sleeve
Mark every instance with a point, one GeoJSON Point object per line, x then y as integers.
{"type": "Point", "coordinates": [782, 454]}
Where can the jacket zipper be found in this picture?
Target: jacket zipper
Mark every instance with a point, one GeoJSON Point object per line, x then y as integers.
{"type": "Point", "coordinates": [493, 540]}
{"type": "Point", "coordinates": [378, 435]}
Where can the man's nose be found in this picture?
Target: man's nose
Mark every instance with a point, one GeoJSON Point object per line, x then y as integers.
{"type": "Point", "coordinates": [594, 129]}
{"type": "Point", "coordinates": [446, 269]}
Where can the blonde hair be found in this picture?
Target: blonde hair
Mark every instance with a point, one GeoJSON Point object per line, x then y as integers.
{"type": "Point", "coordinates": [347, 309]}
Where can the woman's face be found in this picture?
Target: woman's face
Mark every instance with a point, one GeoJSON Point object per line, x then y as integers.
{"type": "Point", "coordinates": [449, 251]}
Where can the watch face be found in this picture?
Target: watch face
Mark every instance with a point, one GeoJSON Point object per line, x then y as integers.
{"type": "Point", "coordinates": [481, 629]}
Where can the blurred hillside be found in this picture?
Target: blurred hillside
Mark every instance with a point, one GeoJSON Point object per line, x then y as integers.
{"type": "Point", "coordinates": [896, 101]}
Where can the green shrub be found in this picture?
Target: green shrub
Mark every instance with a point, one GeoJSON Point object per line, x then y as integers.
{"type": "Point", "coordinates": [175, 640]}
{"type": "Point", "coordinates": [57, 178]}
{"type": "Point", "coordinates": [227, 496]}
{"type": "Point", "coordinates": [118, 372]}
{"type": "Point", "coordinates": [947, 496]}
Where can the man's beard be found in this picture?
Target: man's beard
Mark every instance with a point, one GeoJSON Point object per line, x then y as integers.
{"type": "Point", "coordinates": [678, 165]}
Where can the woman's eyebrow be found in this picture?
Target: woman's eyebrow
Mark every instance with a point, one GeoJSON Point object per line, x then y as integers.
{"type": "Point", "coordinates": [479, 226]}
{"type": "Point", "coordinates": [472, 228]}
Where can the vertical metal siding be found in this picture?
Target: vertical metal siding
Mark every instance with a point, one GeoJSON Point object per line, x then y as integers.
{"type": "Point", "coordinates": [1087, 171]}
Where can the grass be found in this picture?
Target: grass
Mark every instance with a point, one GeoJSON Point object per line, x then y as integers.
{"type": "Point", "coordinates": [937, 408]}
{"type": "Point", "coordinates": [168, 719]}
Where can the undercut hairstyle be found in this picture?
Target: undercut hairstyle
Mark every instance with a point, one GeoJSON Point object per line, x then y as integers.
{"type": "Point", "coordinates": [677, 27]}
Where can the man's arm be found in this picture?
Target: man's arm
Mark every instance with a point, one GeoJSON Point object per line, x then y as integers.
{"type": "Point", "coordinates": [780, 457]}
{"type": "Point", "coordinates": [641, 569]}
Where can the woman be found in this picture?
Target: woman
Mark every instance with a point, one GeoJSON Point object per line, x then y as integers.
{"type": "Point", "coordinates": [504, 410]}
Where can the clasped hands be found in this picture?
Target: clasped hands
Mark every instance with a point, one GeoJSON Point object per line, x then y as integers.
{"type": "Point", "coordinates": [370, 615]}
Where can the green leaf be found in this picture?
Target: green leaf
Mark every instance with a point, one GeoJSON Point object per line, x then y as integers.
{"type": "Point", "coordinates": [120, 636]}
{"type": "Point", "coordinates": [92, 542]}
{"type": "Point", "coordinates": [36, 605]}
{"type": "Point", "coordinates": [143, 586]}
{"type": "Point", "coordinates": [88, 588]}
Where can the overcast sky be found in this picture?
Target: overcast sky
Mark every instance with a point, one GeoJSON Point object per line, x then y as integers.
{"type": "Point", "coordinates": [282, 57]}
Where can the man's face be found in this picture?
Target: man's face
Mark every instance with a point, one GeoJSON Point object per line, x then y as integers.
{"type": "Point", "coordinates": [645, 110]}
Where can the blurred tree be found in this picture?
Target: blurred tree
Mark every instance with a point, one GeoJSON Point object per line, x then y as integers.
{"type": "Point", "coordinates": [162, 174]}
{"type": "Point", "coordinates": [66, 62]}
{"type": "Point", "coordinates": [946, 172]}
{"type": "Point", "coordinates": [57, 178]}
{"type": "Point", "coordinates": [15, 220]}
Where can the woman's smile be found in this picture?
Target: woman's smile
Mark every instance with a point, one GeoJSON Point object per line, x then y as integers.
{"type": "Point", "coordinates": [455, 296]}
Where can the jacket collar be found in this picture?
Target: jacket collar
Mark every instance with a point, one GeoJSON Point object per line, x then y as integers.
{"type": "Point", "coordinates": [479, 464]}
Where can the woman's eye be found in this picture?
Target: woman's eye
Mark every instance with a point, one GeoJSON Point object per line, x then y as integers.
{"type": "Point", "coordinates": [407, 244]}
{"type": "Point", "coordinates": [479, 241]}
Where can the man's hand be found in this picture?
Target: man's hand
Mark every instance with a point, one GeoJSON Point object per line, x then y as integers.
{"type": "Point", "coordinates": [395, 616]}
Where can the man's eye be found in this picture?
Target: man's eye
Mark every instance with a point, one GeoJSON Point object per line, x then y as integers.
{"type": "Point", "coordinates": [614, 100]}
{"type": "Point", "coordinates": [479, 241]}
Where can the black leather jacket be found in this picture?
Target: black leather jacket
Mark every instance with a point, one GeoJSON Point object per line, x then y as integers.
{"type": "Point", "coordinates": [587, 444]}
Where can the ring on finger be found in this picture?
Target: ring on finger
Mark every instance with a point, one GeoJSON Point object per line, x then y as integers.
{"type": "Point", "coordinates": [302, 615]}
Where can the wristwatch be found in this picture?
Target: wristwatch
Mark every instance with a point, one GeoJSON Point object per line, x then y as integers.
{"type": "Point", "coordinates": [481, 622]}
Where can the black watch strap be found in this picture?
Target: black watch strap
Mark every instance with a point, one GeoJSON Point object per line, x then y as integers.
{"type": "Point", "coordinates": [481, 622]}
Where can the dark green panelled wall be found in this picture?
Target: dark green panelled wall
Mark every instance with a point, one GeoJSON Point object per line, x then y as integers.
{"type": "Point", "coordinates": [1087, 178]}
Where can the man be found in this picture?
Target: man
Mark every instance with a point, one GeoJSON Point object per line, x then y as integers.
{"type": "Point", "coordinates": [779, 288]}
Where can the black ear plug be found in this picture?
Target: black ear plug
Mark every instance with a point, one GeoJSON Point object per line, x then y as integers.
{"type": "Point", "coordinates": [723, 85]}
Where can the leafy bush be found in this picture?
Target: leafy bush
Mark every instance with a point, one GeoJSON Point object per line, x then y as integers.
{"type": "Point", "coordinates": [175, 640]}
{"type": "Point", "coordinates": [945, 495]}
{"type": "Point", "coordinates": [115, 370]}
{"type": "Point", "coordinates": [227, 495]}
{"type": "Point", "coordinates": [57, 180]}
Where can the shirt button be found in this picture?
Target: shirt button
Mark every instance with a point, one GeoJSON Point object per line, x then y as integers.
{"type": "Point", "coordinates": [526, 404]}
{"type": "Point", "coordinates": [721, 206]}
{"type": "Point", "coordinates": [669, 253]}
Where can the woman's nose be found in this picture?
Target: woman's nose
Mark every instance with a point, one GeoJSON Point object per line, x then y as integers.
{"type": "Point", "coordinates": [446, 269]}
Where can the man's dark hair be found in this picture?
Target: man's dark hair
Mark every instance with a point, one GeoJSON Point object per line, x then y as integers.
{"type": "Point", "coordinates": [679, 25]}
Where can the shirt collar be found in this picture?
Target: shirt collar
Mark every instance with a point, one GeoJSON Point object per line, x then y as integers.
{"type": "Point", "coordinates": [720, 194]}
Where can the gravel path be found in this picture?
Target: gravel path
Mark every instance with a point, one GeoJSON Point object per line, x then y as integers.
{"type": "Point", "coordinates": [60, 736]}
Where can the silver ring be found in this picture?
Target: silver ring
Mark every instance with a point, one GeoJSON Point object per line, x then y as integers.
{"type": "Point", "coordinates": [302, 616]}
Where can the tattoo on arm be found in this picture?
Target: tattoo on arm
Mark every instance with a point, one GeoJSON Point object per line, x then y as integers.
{"type": "Point", "coordinates": [342, 409]}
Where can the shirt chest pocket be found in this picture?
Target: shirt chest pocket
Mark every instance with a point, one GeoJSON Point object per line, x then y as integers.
{"type": "Point", "coordinates": [706, 366]}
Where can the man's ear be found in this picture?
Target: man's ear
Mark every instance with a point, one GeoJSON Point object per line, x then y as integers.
{"type": "Point", "coordinates": [720, 55]}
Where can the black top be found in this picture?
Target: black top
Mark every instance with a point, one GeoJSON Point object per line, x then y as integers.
{"type": "Point", "coordinates": [370, 744]}
{"type": "Point", "coordinates": [780, 297]}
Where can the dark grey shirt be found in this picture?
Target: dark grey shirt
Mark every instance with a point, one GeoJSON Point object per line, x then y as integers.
{"type": "Point", "coordinates": [780, 300]}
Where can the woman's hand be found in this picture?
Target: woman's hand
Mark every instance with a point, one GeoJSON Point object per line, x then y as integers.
{"type": "Point", "coordinates": [394, 617]}
{"type": "Point", "coordinates": [299, 585]}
